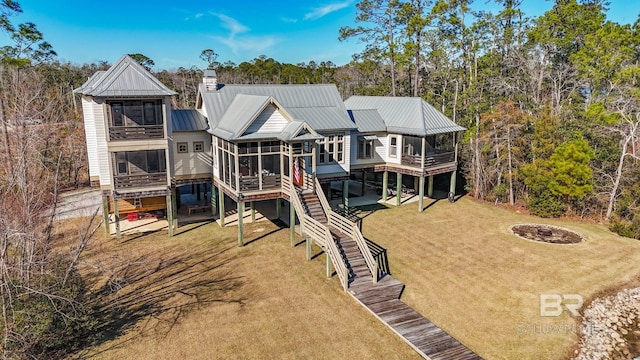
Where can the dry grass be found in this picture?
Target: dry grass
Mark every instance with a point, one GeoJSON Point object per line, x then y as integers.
{"type": "Point", "coordinates": [199, 296]}
{"type": "Point", "coordinates": [467, 273]}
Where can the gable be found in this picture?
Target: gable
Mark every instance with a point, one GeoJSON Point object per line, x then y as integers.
{"type": "Point", "coordinates": [270, 120]}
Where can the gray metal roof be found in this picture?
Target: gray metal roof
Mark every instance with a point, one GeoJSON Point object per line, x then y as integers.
{"type": "Point", "coordinates": [188, 120]}
{"type": "Point", "coordinates": [240, 114]}
{"type": "Point", "coordinates": [318, 105]}
{"type": "Point", "coordinates": [406, 115]}
{"type": "Point", "coordinates": [368, 120]}
{"type": "Point", "coordinates": [124, 78]}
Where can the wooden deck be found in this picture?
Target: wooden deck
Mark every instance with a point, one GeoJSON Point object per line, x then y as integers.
{"type": "Point", "coordinates": [383, 301]}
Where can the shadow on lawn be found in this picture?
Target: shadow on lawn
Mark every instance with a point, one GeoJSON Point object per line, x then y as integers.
{"type": "Point", "coordinates": [155, 289]}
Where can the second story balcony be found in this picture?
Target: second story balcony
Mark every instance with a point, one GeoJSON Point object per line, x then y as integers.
{"type": "Point", "coordinates": [135, 119]}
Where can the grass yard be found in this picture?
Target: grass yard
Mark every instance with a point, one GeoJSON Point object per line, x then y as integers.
{"type": "Point", "coordinates": [467, 273]}
{"type": "Point", "coordinates": [198, 296]}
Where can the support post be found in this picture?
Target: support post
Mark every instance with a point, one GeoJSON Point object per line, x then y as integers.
{"type": "Point", "coordinates": [329, 192]}
{"type": "Point", "coordinates": [116, 215]}
{"type": "Point", "coordinates": [329, 270]}
{"type": "Point", "coordinates": [345, 193]}
{"type": "Point", "coordinates": [174, 207]}
{"type": "Point", "coordinates": [240, 218]}
{"type": "Point", "coordinates": [170, 214]}
{"type": "Point", "coordinates": [308, 247]}
{"type": "Point", "coordinates": [398, 189]}
{"type": "Point", "coordinates": [421, 194]}
{"type": "Point", "coordinates": [385, 185]}
{"type": "Point", "coordinates": [214, 200]}
{"type": "Point", "coordinates": [430, 190]}
{"type": "Point", "coordinates": [253, 211]}
{"type": "Point", "coordinates": [364, 182]}
{"type": "Point", "coordinates": [452, 186]}
{"type": "Point", "coordinates": [105, 214]}
{"type": "Point", "coordinates": [278, 208]}
{"type": "Point", "coordinates": [292, 224]}
{"type": "Point", "coordinates": [198, 192]}
{"type": "Point", "coordinates": [221, 203]}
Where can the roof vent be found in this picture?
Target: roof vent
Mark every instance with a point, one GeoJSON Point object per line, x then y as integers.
{"type": "Point", "coordinates": [210, 80]}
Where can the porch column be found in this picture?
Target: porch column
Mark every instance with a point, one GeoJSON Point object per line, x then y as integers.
{"type": "Point", "coordinates": [292, 224]}
{"type": "Point", "coordinates": [345, 193]}
{"type": "Point", "coordinates": [170, 214]}
{"type": "Point", "coordinates": [174, 207]}
{"type": "Point", "coordinates": [198, 192]}
{"type": "Point", "coordinates": [278, 208]}
{"type": "Point", "coordinates": [452, 185]}
{"type": "Point", "coordinates": [116, 215]}
{"type": "Point", "coordinates": [364, 182]}
{"type": "Point", "coordinates": [178, 203]}
{"type": "Point", "coordinates": [385, 185]}
{"type": "Point", "coordinates": [253, 212]}
{"type": "Point", "coordinates": [430, 189]}
{"type": "Point", "coordinates": [398, 189]}
{"type": "Point", "coordinates": [313, 165]}
{"type": "Point", "coordinates": [240, 220]}
{"type": "Point", "coordinates": [214, 199]}
{"type": "Point", "coordinates": [221, 204]}
{"type": "Point", "coordinates": [329, 192]}
{"type": "Point", "coordinates": [329, 271]}
{"type": "Point", "coordinates": [105, 214]}
{"type": "Point", "coordinates": [421, 194]}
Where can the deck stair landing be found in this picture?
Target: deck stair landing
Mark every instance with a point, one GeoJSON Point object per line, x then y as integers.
{"type": "Point", "coordinates": [382, 298]}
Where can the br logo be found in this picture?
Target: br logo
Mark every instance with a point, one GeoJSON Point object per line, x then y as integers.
{"type": "Point", "coordinates": [553, 304]}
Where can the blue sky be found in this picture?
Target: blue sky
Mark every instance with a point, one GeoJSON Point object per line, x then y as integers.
{"type": "Point", "coordinates": [173, 33]}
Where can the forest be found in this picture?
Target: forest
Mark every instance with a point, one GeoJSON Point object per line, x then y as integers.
{"type": "Point", "coordinates": [551, 104]}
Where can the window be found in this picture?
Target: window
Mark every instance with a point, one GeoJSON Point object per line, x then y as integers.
{"type": "Point", "coordinates": [365, 148]}
{"type": "Point", "coordinates": [393, 146]}
{"type": "Point", "coordinates": [331, 149]}
{"type": "Point", "coordinates": [140, 162]}
{"type": "Point", "coordinates": [183, 147]}
{"type": "Point", "coordinates": [198, 146]}
{"type": "Point", "coordinates": [136, 112]}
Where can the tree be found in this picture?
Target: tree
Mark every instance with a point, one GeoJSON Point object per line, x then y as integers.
{"type": "Point", "coordinates": [381, 33]}
{"type": "Point", "coordinates": [572, 175]}
{"type": "Point", "coordinates": [209, 56]}
{"type": "Point", "coordinates": [143, 60]}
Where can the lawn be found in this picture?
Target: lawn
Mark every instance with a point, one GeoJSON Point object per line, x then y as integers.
{"type": "Point", "coordinates": [467, 273]}
{"type": "Point", "coordinates": [198, 295]}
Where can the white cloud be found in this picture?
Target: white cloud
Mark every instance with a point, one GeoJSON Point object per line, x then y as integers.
{"type": "Point", "coordinates": [289, 20]}
{"type": "Point", "coordinates": [231, 24]}
{"type": "Point", "coordinates": [319, 12]}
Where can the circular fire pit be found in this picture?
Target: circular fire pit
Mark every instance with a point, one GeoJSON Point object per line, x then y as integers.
{"type": "Point", "coordinates": [547, 234]}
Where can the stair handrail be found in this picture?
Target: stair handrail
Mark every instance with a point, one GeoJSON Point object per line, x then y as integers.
{"type": "Point", "coordinates": [320, 234]}
{"type": "Point", "coordinates": [351, 229]}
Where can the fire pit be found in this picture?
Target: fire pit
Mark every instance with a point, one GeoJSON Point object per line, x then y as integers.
{"type": "Point", "coordinates": [547, 234]}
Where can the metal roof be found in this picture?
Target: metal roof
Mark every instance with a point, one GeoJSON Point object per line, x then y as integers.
{"type": "Point", "coordinates": [188, 120]}
{"type": "Point", "coordinates": [124, 78]}
{"type": "Point", "coordinates": [368, 120]}
{"type": "Point", "coordinates": [242, 111]}
{"type": "Point", "coordinates": [320, 106]}
{"type": "Point", "coordinates": [406, 115]}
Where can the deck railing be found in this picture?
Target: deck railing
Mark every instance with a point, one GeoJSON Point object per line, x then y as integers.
{"type": "Point", "coordinates": [139, 180]}
{"type": "Point", "coordinates": [351, 229]}
{"type": "Point", "coordinates": [136, 132]}
{"type": "Point", "coordinates": [429, 160]}
{"type": "Point", "coordinates": [322, 236]}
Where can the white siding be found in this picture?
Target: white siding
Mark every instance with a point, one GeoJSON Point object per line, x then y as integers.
{"type": "Point", "coordinates": [270, 120]}
{"type": "Point", "coordinates": [398, 157]}
{"type": "Point", "coordinates": [90, 135]}
{"type": "Point", "coordinates": [382, 146]}
{"type": "Point", "coordinates": [378, 147]}
{"type": "Point", "coordinates": [192, 163]}
{"type": "Point", "coordinates": [104, 157]}
{"type": "Point", "coordinates": [346, 166]}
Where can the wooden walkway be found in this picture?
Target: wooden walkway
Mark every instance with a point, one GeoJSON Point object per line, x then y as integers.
{"type": "Point", "coordinates": [383, 300]}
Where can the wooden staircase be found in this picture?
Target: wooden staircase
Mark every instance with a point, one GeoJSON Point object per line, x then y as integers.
{"type": "Point", "coordinates": [377, 292]}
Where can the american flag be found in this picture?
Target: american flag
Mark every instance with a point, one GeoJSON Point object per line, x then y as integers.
{"type": "Point", "coordinates": [297, 175]}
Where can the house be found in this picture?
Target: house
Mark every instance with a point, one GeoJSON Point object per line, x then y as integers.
{"type": "Point", "coordinates": [297, 144]}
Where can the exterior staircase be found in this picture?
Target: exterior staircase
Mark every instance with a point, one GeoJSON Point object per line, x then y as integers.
{"type": "Point", "coordinates": [344, 245]}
